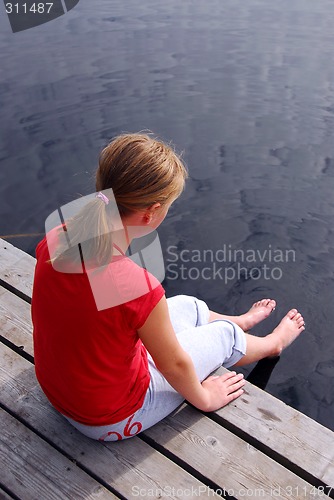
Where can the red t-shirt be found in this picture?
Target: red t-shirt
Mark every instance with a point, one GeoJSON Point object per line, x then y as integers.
{"type": "Point", "coordinates": [90, 363]}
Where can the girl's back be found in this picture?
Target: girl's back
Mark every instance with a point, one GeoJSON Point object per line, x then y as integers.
{"type": "Point", "coordinates": [91, 363]}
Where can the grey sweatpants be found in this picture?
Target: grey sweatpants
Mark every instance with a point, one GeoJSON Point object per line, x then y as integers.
{"type": "Point", "coordinates": [210, 346]}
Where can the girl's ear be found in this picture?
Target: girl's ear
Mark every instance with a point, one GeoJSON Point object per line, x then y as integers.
{"type": "Point", "coordinates": [150, 212]}
{"type": "Point", "coordinates": [148, 217]}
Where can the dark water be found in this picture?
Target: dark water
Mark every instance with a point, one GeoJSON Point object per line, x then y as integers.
{"type": "Point", "coordinates": [246, 90]}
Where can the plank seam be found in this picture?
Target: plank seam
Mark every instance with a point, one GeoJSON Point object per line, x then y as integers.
{"type": "Point", "coordinates": [6, 490]}
{"type": "Point", "coordinates": [62, 452]}
{"type": "Point", "coordinates": [18, 349]}
{"type": "Point", "coordinates": [187, 467]}
{"type": "Point", "coordinates": [15, 291]}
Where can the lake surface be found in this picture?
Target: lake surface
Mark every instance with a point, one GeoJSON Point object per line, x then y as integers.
{"type": "Point", "coordinates": [246, 91]}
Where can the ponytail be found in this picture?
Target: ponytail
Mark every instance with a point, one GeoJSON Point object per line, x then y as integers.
{"type": "Point", "coordinates": [85, 237]}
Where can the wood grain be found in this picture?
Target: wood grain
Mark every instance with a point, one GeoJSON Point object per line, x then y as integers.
{"type": "Point", "coordinates": [16, 267]}
{"type": "Point", "coordinates": [15, 321]}
{"type": "Point", "coordinates": [225, 459]}
{"type": "Point", "coordinates": [31, 468]}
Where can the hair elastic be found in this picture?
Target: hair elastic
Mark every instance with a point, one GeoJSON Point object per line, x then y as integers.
{"type": "Point", "coordinates": [103, 197]}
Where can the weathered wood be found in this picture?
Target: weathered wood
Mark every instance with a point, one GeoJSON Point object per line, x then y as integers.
{"type": "Point", "coordinates": [15, 321]}
{"type": "Point", "coordinates": [226, 460]}
{"type": "Point", "coordinates": [291, 434]}
{"type": "Point", "coordinates": [16, 268]}
{"type": "Point", "coordinates": [10, 253]}
{"type": "Point", "coordinates": [24, 456]}
{"type": "Point", "coordinates": [128, 467]}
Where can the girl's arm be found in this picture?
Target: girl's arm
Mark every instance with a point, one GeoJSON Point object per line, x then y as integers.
{"type": "Point", "coordinates": [159, 338]}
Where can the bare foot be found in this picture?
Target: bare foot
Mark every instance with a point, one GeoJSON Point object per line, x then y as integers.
{"type": "Point", "coordinates": [258, 312]}
{"type": "Point", "coordinates": [287, 331]}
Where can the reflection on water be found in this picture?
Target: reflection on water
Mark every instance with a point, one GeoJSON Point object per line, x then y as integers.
{"type": "Point", "coordinates": [246, 90]}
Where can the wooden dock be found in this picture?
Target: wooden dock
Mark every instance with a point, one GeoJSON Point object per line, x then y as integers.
{"type": "Point", "coordinates": [256, 447]}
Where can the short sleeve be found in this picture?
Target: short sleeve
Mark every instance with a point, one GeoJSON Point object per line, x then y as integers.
{"type": "Point", "coordinates": [138, 310]}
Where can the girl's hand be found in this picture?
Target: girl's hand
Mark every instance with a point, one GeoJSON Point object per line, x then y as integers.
{"type": "Point", "coordinates": [223, 389]}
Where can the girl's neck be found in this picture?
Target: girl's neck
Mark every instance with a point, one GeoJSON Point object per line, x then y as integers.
{"type": "Point", "coordinates": [123, 238]}
{"type": "Point", "coordinates": [121, 241]}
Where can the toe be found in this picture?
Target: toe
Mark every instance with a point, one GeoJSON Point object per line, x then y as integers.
{"type": "Point", "coordinates": [272, 303]}
{"type": "Point", "coordinates": [292, 313]}
{"type": "Point", "coordinates": [266, 302]}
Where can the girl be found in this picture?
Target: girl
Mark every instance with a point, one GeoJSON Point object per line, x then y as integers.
{"type": "Point", "coordinates": [114, 370]}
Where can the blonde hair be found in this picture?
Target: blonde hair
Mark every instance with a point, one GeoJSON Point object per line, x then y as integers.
{"type": "Point", "coordinates": [141, 171]}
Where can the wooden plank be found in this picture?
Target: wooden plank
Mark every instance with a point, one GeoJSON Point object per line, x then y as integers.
{"type": "Point", "coordinates": [129, 467]}
{"type": "Point", "coordinates": [226, 460]}
{"type": "Point", "coordinates": [16, 267]}
{"type": "Point", "coordinates": [10, 254]}
{"type": "Point", "coordinates": [15, 321]}
{"type": "Point", "coordinates": [291, 434]}
{"type": "Point", "coordinates": [23, 456]}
